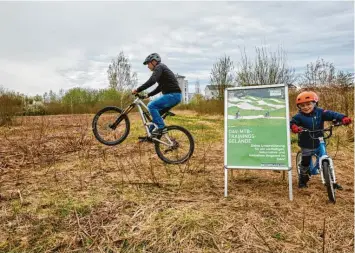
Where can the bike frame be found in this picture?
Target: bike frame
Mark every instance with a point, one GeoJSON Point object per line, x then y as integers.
{"type": "Point", "coordinates": [145, 116]}
{"type": "Point", "coordinates": [321, 155]}
{"type": "Point", "coordinates": [146, 123]}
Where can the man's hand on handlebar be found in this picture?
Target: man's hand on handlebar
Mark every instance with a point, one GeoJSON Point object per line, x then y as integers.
{"type": "Point", "coordinates": [143, 96]}
{"type": "Point", "coordinates": [136, 93]}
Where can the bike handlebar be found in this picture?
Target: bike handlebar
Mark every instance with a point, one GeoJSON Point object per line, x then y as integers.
{"type": "Point", "coordinates": [328, 129]}
{"type": "Point", "coordinates": [140, 96]}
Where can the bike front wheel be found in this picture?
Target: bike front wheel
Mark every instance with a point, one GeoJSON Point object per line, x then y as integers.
{"type": "Point", "coordinates": [110, 126]}
{"type": "Point", "coordinates": [298, 161]}
{"type": "Point", "coordinates": [176, 146]}
{"type": "Point", "coordinates": [329, 182]}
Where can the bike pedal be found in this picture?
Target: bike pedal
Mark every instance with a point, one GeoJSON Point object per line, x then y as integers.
{"type": "Point", "coordinates": [144, 139]}
{"type": "Point", "coordinates": [170, 114]}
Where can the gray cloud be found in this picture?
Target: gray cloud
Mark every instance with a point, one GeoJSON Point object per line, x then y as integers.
{"type": "Point", "coordinates": [53, 45]}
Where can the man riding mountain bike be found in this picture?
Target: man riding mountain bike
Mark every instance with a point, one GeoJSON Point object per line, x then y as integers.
{"type": "Point", "coordinates": [167, 84]}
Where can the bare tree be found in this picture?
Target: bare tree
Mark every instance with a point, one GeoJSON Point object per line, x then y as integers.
{"type": "Point", "coordinates": [324, 73]}
{"type": "Point", "coordinates": [345, 79]}
{"type": "Point", "coordinates": [119, 74]}
{"type": "Point", "coordinates": [319, 73]}
{"type": "Point", "coordinates": [222, 75]}
{"type": "Point", "coordinates": [268, 68]}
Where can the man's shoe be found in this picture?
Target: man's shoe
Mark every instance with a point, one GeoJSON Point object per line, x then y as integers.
{"type": "Point", "coordinates": [159, 131]}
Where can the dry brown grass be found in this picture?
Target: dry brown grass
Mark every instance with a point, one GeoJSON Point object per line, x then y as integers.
{"type": "Point", "coordinates": [62, 191]}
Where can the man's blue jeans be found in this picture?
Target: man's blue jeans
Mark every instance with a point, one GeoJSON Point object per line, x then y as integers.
{"type": "Point", "coordinates": [164, 101]}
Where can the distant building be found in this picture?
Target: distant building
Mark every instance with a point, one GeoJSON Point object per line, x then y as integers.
{"type": "Point", "coordinates": [211, 91]}
{"type": "Point", "coordinates": [197, 88]}
{"type": "Point", "coordinates": [184, 86]}
{"type": "Point", "coordinates": [292, 87]}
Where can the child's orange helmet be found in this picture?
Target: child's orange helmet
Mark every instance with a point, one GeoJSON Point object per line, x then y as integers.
{"type": "Point", "coordinates": [307, 96]}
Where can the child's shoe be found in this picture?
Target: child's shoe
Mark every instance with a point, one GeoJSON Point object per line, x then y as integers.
{"type": "Point", "coordinates": [338, 187]}
{"type": "Point", "coordinates": [302, 181]}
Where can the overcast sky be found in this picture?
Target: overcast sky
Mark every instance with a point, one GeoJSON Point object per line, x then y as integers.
{"type": "Point", "coordinates": [52, 45]}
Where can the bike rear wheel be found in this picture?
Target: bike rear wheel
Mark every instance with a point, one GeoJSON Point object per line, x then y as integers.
{"type": "Point", "coordinates": [329, 182]}
{"type": "Point", "coordinates": [103, 126]}
{"type": "Point", "coordinates": [176, 146]}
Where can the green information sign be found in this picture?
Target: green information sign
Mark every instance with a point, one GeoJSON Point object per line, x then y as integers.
{"type": "Point", "coordinates": [257, 128]}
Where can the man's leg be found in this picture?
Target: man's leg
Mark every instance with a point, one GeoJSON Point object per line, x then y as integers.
{"type": "Point", "coordinates": [164, 101]}
{"type": "Point", "coordinates": [154, 107]}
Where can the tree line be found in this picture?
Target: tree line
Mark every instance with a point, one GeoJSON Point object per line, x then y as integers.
{"type": "Point", "coordinates": [267, 67]}
{"type": "Point", "coordinates": [270, 67]}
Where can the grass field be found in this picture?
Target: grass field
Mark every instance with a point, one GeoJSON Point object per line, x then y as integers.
{"type": "Point", "coordinates": [62, 191]}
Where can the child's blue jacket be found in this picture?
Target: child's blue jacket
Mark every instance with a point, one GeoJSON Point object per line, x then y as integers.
{"type": "Point", "coordinates": [313, 121]}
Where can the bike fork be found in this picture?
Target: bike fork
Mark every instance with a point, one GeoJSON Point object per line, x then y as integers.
{"type": "Point", "coordinates": [322, 176]}
{"type": "Point", "coordinates": [331, 167]}
{"type": "Point", "coordinates": [333, 171]}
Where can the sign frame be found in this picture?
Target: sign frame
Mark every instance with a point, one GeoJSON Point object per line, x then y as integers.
{"type": "Point", "coordinates": [288, 146]}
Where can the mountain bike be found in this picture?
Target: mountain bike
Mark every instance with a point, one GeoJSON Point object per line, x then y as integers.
{"type": "Point", "coordinates": [321, 162]}
{"type": "Point", "coordinates": [111, 126]}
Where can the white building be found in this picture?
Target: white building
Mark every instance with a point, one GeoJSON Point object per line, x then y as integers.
{"type": "Point", "coordinates": [197, 88]}
{"type": "Point", "coordinates": [211, 91]}
{"type": "Point", "coordinates": [184, 86]}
